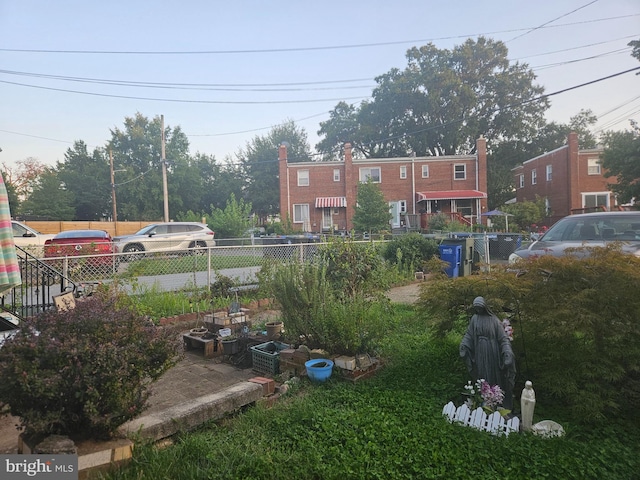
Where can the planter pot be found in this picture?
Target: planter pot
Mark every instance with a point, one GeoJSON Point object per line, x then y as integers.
{"type": "Point", "coordinates": [319, 369]}
{"type": "Point", "coordinates": [230, 347]}
{"type": "Point", "coordinates": [274, 329]}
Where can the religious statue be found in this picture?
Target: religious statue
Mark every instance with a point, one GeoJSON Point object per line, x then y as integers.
{"type": "Point", "coordinates": [486, 350]}
{"type": "Point", "coordinates": [527, 405]}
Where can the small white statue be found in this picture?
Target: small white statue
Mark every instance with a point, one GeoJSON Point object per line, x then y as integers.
{"type": "Point", "coordinates": [527, 405]}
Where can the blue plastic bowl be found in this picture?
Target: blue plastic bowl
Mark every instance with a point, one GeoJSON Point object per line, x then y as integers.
{"type": "Point", "coordinates": [319, 369]}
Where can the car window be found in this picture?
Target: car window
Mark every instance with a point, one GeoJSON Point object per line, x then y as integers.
{"type": "Point", "coordinates": [81, 234]}
{"type": "Point", "coordinates": [195, 228]}
{"type": "Point", "coordinates": [146, 230]}
{"type": "Point", "coordinates": [18, 230]}
{"type": "Point", "coordinates": [178, 228]}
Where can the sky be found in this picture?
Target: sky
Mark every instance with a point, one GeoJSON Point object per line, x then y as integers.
{"type": "Point", "coordinates": [226, 72]}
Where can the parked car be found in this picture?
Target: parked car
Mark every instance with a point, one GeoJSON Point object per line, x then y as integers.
{"type": "Point", "coordinates": [586, 230]}
{"type": "Point", "coordinates": [29, 238]}
{"type": "Point", "coordinates": [171, 236]}
{"type": "Point", "coordinates": [73, 243]}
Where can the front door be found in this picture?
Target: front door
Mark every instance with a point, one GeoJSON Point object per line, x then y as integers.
{"type": "Point", "coordinates": [327, 221]}
{"type": "Point", "coordinates": [394, 209]}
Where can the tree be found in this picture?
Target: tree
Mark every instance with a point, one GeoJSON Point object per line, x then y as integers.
{"type": "Point", "coordinates": [87, 178]}
{"type": "Point", "coordinates": [371, 210]}
{"type": "Point", "coordinates": [441, 103]}
{"type": "Point", "coordinates": [137, 149]}
{"type": "Point", "coordinates": [621, 159]}
{"type": "Point", "coordinates": [49, 199]}
{"type": "Point", "coordinates": [234, 220]}
{"type": "Point", "coordinates": [259, 165]}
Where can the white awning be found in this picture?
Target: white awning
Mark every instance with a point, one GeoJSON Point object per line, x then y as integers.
{"type": "Point", "coordinates": [331, 202]}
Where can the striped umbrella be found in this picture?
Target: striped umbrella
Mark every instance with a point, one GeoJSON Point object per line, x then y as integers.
{"type": "Point", "coordinates": [9, 268]}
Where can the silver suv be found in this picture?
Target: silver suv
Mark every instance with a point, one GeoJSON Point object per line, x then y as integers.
{"type": "Point", "coordinates": [586, 230]}
{"type": "Point", "coordinates": [172, 236]}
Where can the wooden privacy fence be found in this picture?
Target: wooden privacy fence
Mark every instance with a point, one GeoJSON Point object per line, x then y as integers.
{"type": "Point", "coordinates": [479, 419]}
{"type": "Point", "coordinates": [113, 228]}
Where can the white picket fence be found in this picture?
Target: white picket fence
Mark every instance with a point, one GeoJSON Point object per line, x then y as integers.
{"type": "Point", "coordinates": [479, 419]}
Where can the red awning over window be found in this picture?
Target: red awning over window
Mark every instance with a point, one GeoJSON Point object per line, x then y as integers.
{"type": "Point", "coordinates": [331, 202]}
{"type": "Point", "coordinates": [450, 195]}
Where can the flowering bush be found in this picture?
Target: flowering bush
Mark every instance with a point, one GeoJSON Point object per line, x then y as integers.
{"type": "Point", "coordinates": [84, 371]}
{"type": "Point", "coordinates": [489, 397]}
{"type": "Point", "coordinates": [508, 329]}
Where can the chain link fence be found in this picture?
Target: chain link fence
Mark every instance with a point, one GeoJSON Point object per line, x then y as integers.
{"type": "Point", "coordinates": [174, 270]}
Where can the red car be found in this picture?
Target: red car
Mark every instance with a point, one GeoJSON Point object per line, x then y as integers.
{"type": "Point", "coordinates": [73, 243]}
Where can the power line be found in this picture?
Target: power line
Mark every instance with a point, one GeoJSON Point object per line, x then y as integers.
{"type": "Point", "coordinates": [298, 49]}
{"type": "Point", "coordinates": [177, 100]}
{"type": "Point", "coordinates": [551, 21]}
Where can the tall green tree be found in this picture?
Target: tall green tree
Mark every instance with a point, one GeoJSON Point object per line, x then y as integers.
{"type": "Point", "coordinates": [621, 159]}
{"type": "Point", "coordinates": [259, 165]}
{"type": "Point", "coordinates": [441, 103]}
{"type": "Point", "coordinates": [87, 177]}
{"type": "Point", "coordinates": [49, 199]}
{"type": "Point", "coordinates": [371, 210]}
{"type": "Point", "coordinates": [232, 221]}
{"type": "Point", "coordinates": [137, 149]}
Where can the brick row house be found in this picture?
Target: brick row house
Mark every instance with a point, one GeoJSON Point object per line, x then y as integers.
{"type": "Point", "coordinates": [569, 179]}
{"type": "Point", "coordinates": [320, 196]}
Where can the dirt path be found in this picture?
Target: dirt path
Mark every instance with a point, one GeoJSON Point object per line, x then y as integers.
{"type": "Point", "coordinates": [405, 294]}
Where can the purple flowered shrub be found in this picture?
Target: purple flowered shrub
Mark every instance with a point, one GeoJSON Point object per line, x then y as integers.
{"type": "Point", "coordinates": [83, 372]}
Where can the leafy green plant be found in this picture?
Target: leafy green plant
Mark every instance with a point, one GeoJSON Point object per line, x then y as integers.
{"type": "Point", "coordinates": [353, 268]}
{"type": "Point", "coordinates": [314, 314]}
{"type": "Point", "coordinates": [576, 333]}
{"type": "Point", "coordinates": [85, 371]}
{"type": "Point", "coordinates": [409, 252]}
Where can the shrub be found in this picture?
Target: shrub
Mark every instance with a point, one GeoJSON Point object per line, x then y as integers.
{"type": "Point", "coordinates": [576, 329]}
{"type": "Point", "coordinates": [83, 372]}
{"type": "Point", "coordinates": [313, 314]}
{"type": "Point", "coordinates": [409, 252]}
{"type": "Point", "coordinates": [353, 268]}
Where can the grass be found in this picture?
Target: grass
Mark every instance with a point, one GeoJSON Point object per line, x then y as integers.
{"type": "Point", "coordinates": [388, 427]}
{"type": "Point", "coordinates": [167, 264]}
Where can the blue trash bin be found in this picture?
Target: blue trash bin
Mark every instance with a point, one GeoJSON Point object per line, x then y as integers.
{"type": "Point", "coordinates": [452, 254]}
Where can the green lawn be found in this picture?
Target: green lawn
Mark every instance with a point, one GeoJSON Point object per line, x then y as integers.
{"type": "Point", "coordinates": [387, 427]}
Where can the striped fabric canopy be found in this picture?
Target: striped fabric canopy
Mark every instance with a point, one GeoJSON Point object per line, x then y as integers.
{"type": "Point", "coordinates": [9, 268]}
{"type": "Point", "coordinates": [331, 202]}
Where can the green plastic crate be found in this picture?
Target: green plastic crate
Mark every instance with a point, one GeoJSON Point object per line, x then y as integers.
{"type": "Point", "coordinates": [266, 357]}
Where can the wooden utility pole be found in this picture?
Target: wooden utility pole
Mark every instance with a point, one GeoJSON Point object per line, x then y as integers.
{"type": "Point", "coordinates": [164, 176]}
{"type": "Point", "coordinates": [113, 194]}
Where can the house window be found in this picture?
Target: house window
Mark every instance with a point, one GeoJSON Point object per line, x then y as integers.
{"type": "Point", "coordinates": [402, 206]}
{"type": "Point", "coordinates": [593, 166]}
{"type": "Point", "coordinates": [372, 173]}
{"type": "Point", "coordinates": [300, 212]}
{"type": "Point", "coordinates": [521, 180]}
{"type": "Point", "coordinates": [403, 171]}
{"type": "Point", "coordinates": [459, 172]}
{"type": "Point", "coordinates": [534, 177]}
{"type": "Point", "coordinates": [425, 171]}
{"type": "Point", "coordinates": [303, 178]}
{"type": "Point", "coordinates": [336, 174]}
{"type": "Point", "coordinates": [549, 172]}
{"type": "Point", "coordinates": [591, 200]}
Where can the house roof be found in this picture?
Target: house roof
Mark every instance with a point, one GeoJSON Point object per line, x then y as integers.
{"type": "Point", "coordinates": [450, 195]}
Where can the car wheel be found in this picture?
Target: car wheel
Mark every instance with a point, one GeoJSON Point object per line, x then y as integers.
{"type": "Point", "coordinates": [134, 247]}
{"type": "Point", "coordinates": [198, 248]}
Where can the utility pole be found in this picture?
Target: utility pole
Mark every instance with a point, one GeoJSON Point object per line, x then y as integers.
{"type": "Point", "coordinates": [164, 176]}
{"type": "Point", "coordinates": [113, 194]}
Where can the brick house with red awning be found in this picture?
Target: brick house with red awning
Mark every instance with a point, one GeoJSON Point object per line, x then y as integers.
{"type": "Point", "coordinates": [320, 196]}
